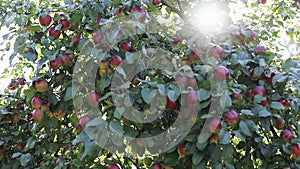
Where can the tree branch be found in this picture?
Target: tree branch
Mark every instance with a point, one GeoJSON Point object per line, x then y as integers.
{"type": "Point", "coordinates": [174, 9]}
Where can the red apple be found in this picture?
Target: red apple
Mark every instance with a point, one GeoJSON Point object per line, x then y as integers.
{"type": "Point", "coordinates": [250, 94]}
{"type": "Point", "coordinates": [65, 60]}
{"type": "Point", "coordinates": [214, 139]}
{"type": "Point", "coordinates": [221, 73]}
{"type": "Point", "coordinates": [181, 150]}
{"type": "Point", "coordinates": [45, 19]}
{"type": "Point", "coordinates": [113, 166]}
{"type": "Point", "coordinates": [263, 1]}
{"type": "Point", "coordinates": [73, 27]}
{"type": "Point", "coordinates": [120, 11]}
{"type": "Point", "coordinates": [54, 33]}
{"type": "Point", "coordinates": [103, 72]}
{"type": "Point", "coordinates": [16, 117]}
{"type": "Point", "coordinates": [216, 51]}
{"type": "Point", "coordinates": [65, 24]}
{"type": "Point", "coordinates": [192, 99]}
{"type": "Point", "coordinates": [93, 98]}
{"type": "Point", "coordinates": [285, 103]}
{"type": "Point", "coordinates": [58, 161]}
{"type": "Point", "coordinates": [156, 2]}
{"type": "Point", "coordinates": [41, 163]}
{"type": "Point", "coordinates": [76, 39]}
{"type": "Point", "coordinates": [215, 125]}
{"type": "Point", "coordinates": [21, 81]}
{"type": "Point", "coordinates": [247, 35]}
{"type": "Point", "coordinates": [84, 120]}
{"type": "Point", "coordinates": [182, 80]}
{"type": "Point", "coordinates": [280, 123]}
{"type": "Point", "coordinates": [98, 20]}
{"type": "Point", "coordinates": [260, 90]}
{"type": "Point", "coordinates": [142, 14]}
{"type": "Point", "coordinates": [20, 146]}
{"type": "Point", "coordinates": [175, 41]}
{"type": "Point", "coordinates": [286, 135]}
{"type": "Point", "coordinates": [232, 117]}
{"type": "Point", "coordinates": [195, 55]}
{"type": "Point", "coordinates": [296, 150]}
{"type": "Point", "coordinates": [266, 102]}
{"type": "Point", "coordinates": [44, 107]}
{"type": "Point", "coordinates": [103, 65]}
{"type": "Point", "coordinates": [79, 128]}
{"type": "Point", "coordinates": [236, 96]}
{"type": "Point", "coordinates": [13, 85]}
{"type": "Point", "coordinates": [1, 154]}
{"type": "Point", "coordinates": [21, 106]}
{"type": "Point", "coordinates": [156, 166]}
{"type": "Point", "coordinates": [60, 113]}
{"type": "Point", "coordinates": [172, 105]}
{"type": "Point", "coordinates": [116, 60]}
{"type": "Point", "coordinates": [55, 64]}
{"type": "Point", "coordinates": [125, 47]}
{"type": "Point", "coordinates": [259, 49]}
{"type": "Point", "coordinates": [37, 114]}
{"type": "Point", "coordinates": [36, 102]}
{"type": "Point", "coordinates": [98, 37]}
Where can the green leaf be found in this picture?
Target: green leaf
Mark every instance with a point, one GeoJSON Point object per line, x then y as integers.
{"type": "Point", "coordinates": [116, 127]}
{"type": "Point", "coordinates": [145, 94]}
{"type": "Point", "coordinates": [247, 112]}
{"type": "Point", "coordinates": [16, 155]}
{"type": "Point", "coordinates": [244, 128]}
{"type": "Point", "coordinates": [290, 64]}
{"type": "Point", "coordinates": [197, 157]}
{"type": "Point", "coordinates": [264, 112]}
{"type": "Point", "coordinates": [68, 95]}
{"type": "Point", "coordinates": [76, 18]}
{"type": "Point", "coordinates": [204, 94]}
{"type": "Point", "coordinates": [277, 105]}
{"type": "Point", "coordinates": [24, 159]}
{"type": "Point", "coordinates": [225, 138]}
{"type": "Point", "coordinates": [30, 56]}
{"type": "Point", "coordinates": [228, 152]}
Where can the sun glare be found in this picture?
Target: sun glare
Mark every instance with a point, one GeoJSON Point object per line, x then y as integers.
{"type": "Point", "coordinates": [208, 17]}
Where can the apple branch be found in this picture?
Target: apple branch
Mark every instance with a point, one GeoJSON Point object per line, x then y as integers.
{"type": "Point", "coordinates": [174, 9]}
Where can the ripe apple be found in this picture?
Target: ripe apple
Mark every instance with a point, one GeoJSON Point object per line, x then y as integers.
{"type": "Point", "coordinates": [21, 106]}
{"type": "Point", "coordinates": [65, 23]}
{"type": "Point", "coordinates": [263, 1]}
{"type": "Point", "coordinates": [236, 96]}
{"type": "Point", "coordinates": [156, 166]}
{"type": "Point", "coordinates": [98, 20]}
{"type": "Point", "coordinates": [286, 135]}
{"type": "Point", "coordinates": [221, 73]}
{"type": "Point", "coordinates": [20, 146]}
{"type": "Point", "coordinates": [156, 2]}
{"type": "Point", "coordinates": [13, 85]}
{"type": "Point", "coordinates": [215, 125]}
{"type": "Point", "coordinates": [232, 117]}
{"type": "Point", "coordinates": [45, 19]}
{"type": "Point", "coordinates": [296, 150]}
{"type": "Point", "coordinates": [216, 51]}
{"type": "Point", "coordinates": [250, 94]}
{"type": "Point", "coordinates": [285, 103]}
{"type": "Point", "coordinates": [21, 81]}
{"type": "Point", "coordinates": [84, 120]}
{"type": "Point", "coordinates": [214, 139]}
{"type": "Point", "coordinates": [175, 41]}
{"type": "Point", "coordinates": [181, 150]}
{"type": "Point", "coordinates": [259, 49]}
{"type": "Point", "coordinates": [142, 14]}
{"type": "Point", "coordinates": [260, 90]}
{"type": "Point", "coordinates": [44, 107]}
{"type": "Point", "coordinates": [195, 55]}
{"type": "Point", "coordinates": [56, 63]}
{"type": "Point", "coordinates": [182, 80]}
{"type": "Point", "coordinates": [37, 114]}
{"type": "Point", "coordinates": [76, 39]}
{"type": "Point", "coordinates": [73, 27]}
{"type": "Point", "coordinates": [103, 65]}
{"type": "Point", "coordinates": [58, 161]}
{"type": "Point", "coordinates": [113, 166]}
{"type": "Point", "coordinates": [280, 123]}
{"type": "Point", "coordinates": [41, 85]}
{"type": "Point", "coordinates": [172, 105]}
{"type": "Point", "coordinates": [192, 98]}
{"type": "Point", "coordinates": [98, 37]}
{"type": "Point", "coordinates": [65, 60]}
{"type": "Point", "coordinates": [54, 33]}
{"type": "Point", "coordinates": [60, 113]}
{"type": "Point", "coordinates": [266, 102]}
{"type": "Point", "coordinates": [1, 154]}
{"type": "Point", "coordinates": [125, 47]}
{"type": "Point", "coordinates": [93, 98]}
{"type": "Point", "coordinates": [78, 128]}
{"type": "Point", "coordinates": [120, 11]}
{"type": "Point", "coordinates": [116, 60]}
{"type": "Point", "coordinates": [247, 35]}
{"type": "Point", "coordinates": [103, 72]}
{"type": "Point", "coordinates": [36, 102]}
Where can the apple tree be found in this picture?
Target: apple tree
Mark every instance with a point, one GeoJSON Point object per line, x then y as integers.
{"type": "Point", "coordinates": [145, 84]}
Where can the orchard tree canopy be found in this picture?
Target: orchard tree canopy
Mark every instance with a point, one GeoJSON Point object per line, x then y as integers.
{"type": "Point", "coordinates": [123, 84]}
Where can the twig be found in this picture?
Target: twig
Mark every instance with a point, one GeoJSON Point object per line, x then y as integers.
{"type": "Point", "coordinates": [177, 11]}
